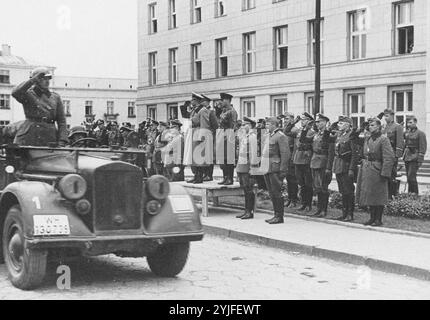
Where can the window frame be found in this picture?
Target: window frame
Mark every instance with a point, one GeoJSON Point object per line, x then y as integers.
{"type": "Point", "coordinates": [221, 53]}
{"type": "Point", "coordinates": [244, 101]}
{"type": "Point", "coordinates": [196, 60]}
{"type": "Point", "coordinates": [274, 109]}
{"type": "Point", "coordinates": [173, 22]}
{"type": "Point", "coordinates": [173, 65]}
{"type": "Point", "coordinates": [170, 107]}
{"type": "Point", "coordinates": [151, 108]}
{"type": "Point", "coordinates": [131, 106]}
{"type": "Point", "coordinates": [110, 105]}
{"type": "Point", "coordinates": [4, 76]}
{"type": "Point", "coordinates": [397, 25]}
{"type": "Point", "coordinates": [311, 95]}
{"type": "Point", "coordinates": [278, 47]}
{"type": "Point", "coordinates": [153, 68]}
{"type": "Point", "coordinates": [312, 41]}
{"type": "Point", "coordinates": [196, 6]}
{"type": "Point", "coordinates": [248, 5]}
{"type": "Point", "coordinates": [152, 18]}
{"type": "Point", "coordinates": [66, 104]}
{"type": "Point", "coordinates": [89, 104]}
{"type": "Point", "coordinates": [392, 103]}
{"type": "Point", "coordinates": [6, 98]}
{"type": "Point", "coordinates": [218, 4]}
{"type": "Point", "coordinates": [361, 34]}
{"type": "Point", "coordinates": [361, 115]}
{"type": "Point", "coordinates": [249, 52]}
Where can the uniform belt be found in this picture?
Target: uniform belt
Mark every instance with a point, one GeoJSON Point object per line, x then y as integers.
{"type": "Point", "coordinates": [372, 159]}
{"type": "Point", "coordinates": [44, 120]}
{"type": "Point", "coordinates": [321, 153]}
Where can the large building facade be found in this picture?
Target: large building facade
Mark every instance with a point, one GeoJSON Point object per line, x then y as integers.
{"type": "Point", "coordinates": [85, 99]}
{"type": "Point", "coordinates": [374, 56]}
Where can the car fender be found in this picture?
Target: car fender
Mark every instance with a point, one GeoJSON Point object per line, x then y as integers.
{"type": "Point", "coordinates": [170, 222]}
{"type": "Point", "coordinates": [39, 198]}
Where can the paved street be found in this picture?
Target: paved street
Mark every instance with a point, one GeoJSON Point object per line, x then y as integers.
{"type": "Point", "coordinates": [226, 269]}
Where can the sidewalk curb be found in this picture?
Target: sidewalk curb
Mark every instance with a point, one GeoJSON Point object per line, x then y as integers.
{"type": "Point", "coordinates": [314, 251]}
{"type": "Point", "coordinates": [340, 223]}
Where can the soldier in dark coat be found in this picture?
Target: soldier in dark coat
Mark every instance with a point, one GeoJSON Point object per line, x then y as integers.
{"type": "Point", "coordinates": [278, 154]}
{"type": "Point", "coordinates": [43, 109]}
{"type": "Point", "coordinates": [345, 164]}
{"type": "Point", "coordinates": [394, 132]}
{"type": "Point", "coordinates": [302, 159]}
{"type": "Point", "coordinates": [101, 134]}
{"type": "Point", "coordinates": [292, 186]}
{"type": "Point", "coordinates": [115, 137]}
{"type": "Point", "coordinates": [375, 172]}
{"type": "Point", "coordinates": [227, 121]}
{"type": "Point", "coordinates": [415, 150]}
{"type": "Point", "coordinates": [247, 157]}
{"type": "Point", "coordinates": [321, 164]}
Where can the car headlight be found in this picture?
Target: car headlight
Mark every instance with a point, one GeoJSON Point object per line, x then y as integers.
{"type": "Point", "coordinates": [158, 187]}
{"type": "Point", "coordinates": [72, 187]}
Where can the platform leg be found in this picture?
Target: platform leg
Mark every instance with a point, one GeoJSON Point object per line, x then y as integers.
{"type": "Point", "coordinates": [216, 201]}
{"type": "Point", "coordinates": [205, 203]}
{"type": "Point", "coordinates": [255, 190]}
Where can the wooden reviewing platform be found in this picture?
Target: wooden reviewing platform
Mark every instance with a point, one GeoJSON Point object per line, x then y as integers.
{"type": "Point", "coordinates": [214, 191]}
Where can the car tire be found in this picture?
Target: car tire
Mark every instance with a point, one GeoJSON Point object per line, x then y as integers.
{"type": "Point", "coordinates": [169, 259]}
{"type": "Point", "coordinates": [26, 267]}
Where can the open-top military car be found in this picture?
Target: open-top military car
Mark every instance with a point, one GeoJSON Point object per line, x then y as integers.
{"type": "Point", "coordinates": [81, 201]}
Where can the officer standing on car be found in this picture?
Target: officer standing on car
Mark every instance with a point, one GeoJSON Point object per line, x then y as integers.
{"type": "Point", "coordinates": [321, 167]}
{"type": "Point", "coordinates": [278, 153]}
{"type": "Point", "coordinates": [43, 109]}
{"type": "Point", "coordinates": [227, 121]}
{"type": "Point", "coordinates": [394, 133]}
{"type": "Point", "coordinates": [345, 164]}
{"type": "Point", "coordinates": [292, 186]}
{"type": "Point", "coordinates": [415, 150]}
{"type": "Point", "coordinates": [246, 159]}
{"type": "Point", "coordinates": [302, 159]}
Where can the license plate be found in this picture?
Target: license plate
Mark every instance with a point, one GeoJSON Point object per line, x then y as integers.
{"type": "Point", "coordinates": [181, 204]}
{"type": "Point", "coordinates": [51, 225]}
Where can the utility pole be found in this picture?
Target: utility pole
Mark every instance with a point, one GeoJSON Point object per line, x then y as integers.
{"type": "Point", "coordinates": [317, 53]}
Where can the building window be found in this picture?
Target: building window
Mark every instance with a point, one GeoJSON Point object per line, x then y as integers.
{"type": "Point", "coordinates": [152, 18]}
{"type": "Point", "coordinates": [247, 107]}
{"type": "Point", "coordinates": [312, 43]}
{"type": "Point", "coordinates": [249, 52]}
{"type": "Point", "coordinates": [219, 8]}
{"type": "Point", "coordinates": [357, 34]}
{"type": "Point", "coordinates": [404, 28]}
{"type": "Point", "coordinates": [131, 109]}
{"type": "Point", "coordinates": [4, 76]}
{"type": "Point", "coordinates": [279, 105]}
{"type": "Point", "coordinates": [310, 103]}
{"type": "Point", "coordinates": [88, 108]}
{"type": "Point", "coordinates": [110, 108]}
{"type": "Point", "coordinates": [196, 11]}
{"type": "Point", "coordinates": [4, 123]}
{"type": "Point", "coordinates": [173, 65]}
{"type": "Point", "coordinates": [281, 48]}
{"type": "Point", "coordinates": [4, 101]}
{"type": "Point", "coordinates": [172, 14]}
{"type": "Point", "coordinates": [221, 58]}
{"type": "Point", "coordinates": [153, 68]}
{"type": "Point", "coordinates": [356, 106]}
{"type": "Point", "coordinates": [248, 4]}
{"type": "Point", "coordinates": [196, 63]}
{"type": "Point", "coordinates": [402, 102]}
{"type": "Point", "coordinates": [172, 111]}
{"type": "Point", "coordinates": [66, 104]}
{"type": "Point", "coordinates": [152, 112]}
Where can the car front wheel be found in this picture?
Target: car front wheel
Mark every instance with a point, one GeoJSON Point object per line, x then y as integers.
{"type": "Point", "coordinates": [169, 259]}
{"type": "Point", "coordinates": [26, 267]}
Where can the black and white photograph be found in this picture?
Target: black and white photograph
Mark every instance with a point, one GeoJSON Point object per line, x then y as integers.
{"type": "Point", "coordinates": [232, 152]}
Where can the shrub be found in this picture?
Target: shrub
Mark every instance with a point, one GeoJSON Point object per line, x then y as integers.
{"type": "Point", "coordinates": [335, 200]}
{"type": "Point", "coordinates": [409, 206]}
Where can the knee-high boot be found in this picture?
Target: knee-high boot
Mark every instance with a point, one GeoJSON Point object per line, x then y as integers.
{"type": "Point", "coordinates": [379, 210]}
{"type": "Point", "coordinates": [372, 216]}
{"type": "Point", "coordinates": [344, 208]}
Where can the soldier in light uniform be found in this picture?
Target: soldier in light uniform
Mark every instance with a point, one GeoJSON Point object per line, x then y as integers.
{"type": "Point", "coordinates": [278, 154]}
{"type": "Point", "coordinates": [43, 109]}
{"type": "Point", "coordinates": [302, 159]}
{"type": "Point", "coordinates": [321, 165]}
{"type": "Point", "coordinates": [159, 143]}
{"type": "Point", "coordinates": [345, 164]}
{"type": "Point", "coordinates": [415, 150]}
{"type": "Point", "coordinates": [208, 173]}
{"type": "Point", "coordinates": [394, 132]}
{"type": "Point", "coordinates": [174, 167]}
{"type": "Point", "coordinates": [115, 137]}
{"type": "Point", "coordinates": [292, 186]}
{"type": "Point", "coordinates": [247, 155]}
{"type": "Point", "coordinates": [228, 120]}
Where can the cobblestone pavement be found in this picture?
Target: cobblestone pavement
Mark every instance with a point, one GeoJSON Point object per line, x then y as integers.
{"type": "Point", "coordinates": [225, 269]}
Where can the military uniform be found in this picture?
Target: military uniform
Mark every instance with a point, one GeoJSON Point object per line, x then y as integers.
{"type": "Point", "coordinates": [247, 157]}
{"type": "Point", "coordinates": [227, 121]}
{"type": "Point", "coordinates": [302, 159]}
{"type": "Point", "coordinates": [415, 150]}
{"type": "Point", "coordinates": [278, 155]}
{"type": "Point", "coordinates": [319, 165]}
{"type": "Point", "coordinates": [292, 186]}
{"type": "Point", "coordinates": [213, 121]}
{"type": "Point", "coordinates": [42, 109]}
{"type": "Point", "coordinates": [344, 167]}
{"type": "Point", "coordinates": [157, 159]}
{"type": "Point", "coordinates": [394, 132]}
{"type": "Point", "coordinates": [115, 138]}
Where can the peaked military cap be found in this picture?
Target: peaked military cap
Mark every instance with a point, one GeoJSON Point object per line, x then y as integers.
{"type": "Point", "coordinates": [226, 96]}
{"type": "Point", "coordinates": [206, 98]}
{"type": "Point", "coordinates": [322, 117]}
{"type": "Point", "coordinates": [125, 128]}
{"type": "Point", "coordinates": [164, 124]}
{"type": "Point", "coordinates": [289, 115]}
{"type": "Point", "coordinates": [249, 120]}
{"type": "Point", "coordinates": [374, 119]}
{"type": "Point", "coordinates": [345, 119]}
{"type": "Point", "coordinates": [76, 130]}
{"type": "Point", "coordinates": [155, 122]}
{"type": "Point", "coordinates": [175, 123]}
{"type": "Point", "coordinates": [196, 96]}
{"type": "Point", "coordinates": [261, 120]}
{"type": "Point", "coordinates": [306, 116]}
{"type": "Point", "coordinates": [272, 120]}
{"type": "Point", "coordinates": [389, 111]}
